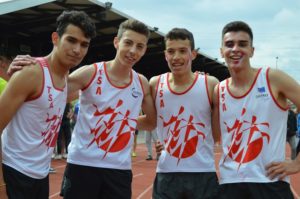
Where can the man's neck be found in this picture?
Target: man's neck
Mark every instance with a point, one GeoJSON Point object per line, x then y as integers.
{"type": "Point", "coordinates": [118, 70]}
{"type": "Point", "coordinates": [56, 67]}
{"type": "Point", "coordinates": [243, 77]}
{"type": "Point", "coordinates": [180, 83]}
{"type": "Point", "coordinates": [118, 74]}
{"type": "Point", "coordinates": [183, 79]}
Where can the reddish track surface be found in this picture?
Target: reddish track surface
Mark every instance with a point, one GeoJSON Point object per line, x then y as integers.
{"type": "Point", "coordinates": [143, 175]}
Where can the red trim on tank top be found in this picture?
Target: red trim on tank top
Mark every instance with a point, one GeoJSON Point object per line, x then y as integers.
{"type": "Point", "coordinates": [120, 87]}
{"type": "Point", "coordinates": [157, 85]}
{"type": "Point", "coordinates": [93, 77]}
{"type": "Point", "coordinates": [189, 88]}
{"type": "Point", "coordinates": [252, 85]}
{"type": "Point", "coordinates": [45, 61]}
{"type": "Point", "coordinates": [140, 80]}
{"type": "Point", "coordinates": [207, 92]}
{"type": "Point", "coordinates": [218, 103]}
{"type": "Point", "coordinates": [40, 62]}
{"type": "Point", "coordinates": [269, 87]}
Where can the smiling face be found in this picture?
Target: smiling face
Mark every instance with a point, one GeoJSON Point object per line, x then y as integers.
{"type": "Point", "coordinates": [237, 49]}
{"type": "Point", "coordinates": [72, 46]}
{"type": "Point", "coordinates": [179, 55]}
{"type": "Point", "coordinates": [131, 46]}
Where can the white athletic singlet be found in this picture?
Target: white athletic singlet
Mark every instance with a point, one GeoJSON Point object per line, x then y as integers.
{"type": "Point", "coordinates": [253, 129]}
{"type": "Point", "coordinates": [184, 127]}
{"type": "Point", "coordinates": [30, 137]}
{"type": "Point", "coordinates": [104, 131]}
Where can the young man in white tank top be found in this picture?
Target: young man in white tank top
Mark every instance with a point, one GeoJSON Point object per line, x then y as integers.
{"type": "Point", "coordinates": [183, 100]}
{"type": "Point", "coordinates": [31, 109]}
{"type": "Point", "coordinates": [251, 118]}
{"type": "Point", "coordinates": [99, 159]}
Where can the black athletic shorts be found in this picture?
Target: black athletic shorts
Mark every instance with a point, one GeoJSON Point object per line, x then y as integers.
{"type": "Point", "coordinates": [20, 186]}
{"type": "Point", "coordinates": [273, 190]}
{"type": "Point", "coordinates": [82, 182]}
{"type": "Point", "coordinates": [185, 185]}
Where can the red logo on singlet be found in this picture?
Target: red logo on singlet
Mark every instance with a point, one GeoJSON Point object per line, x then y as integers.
{"type": "Point", "coordinates": [223, 104]}
{"type": "Point", "coordinates": [246, 139]}
{"type": "Point", "coordinates": [51, 133]}
{"type": "Point", "coordinates": [113, 128]}
{"type": "Point", "coordinates": [182, 135]}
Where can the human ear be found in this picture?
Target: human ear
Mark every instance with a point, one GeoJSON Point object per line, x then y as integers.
{"type": "Point", "coordinates": [116, 42]}
{"type": "Point", "coordinates": [55, 38]}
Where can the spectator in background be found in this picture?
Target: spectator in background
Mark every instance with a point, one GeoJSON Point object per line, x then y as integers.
{"type": "Point", "coordinates": [133, 153]}
{"type": "Point", "coordinates": [298, 132]}
{"type": "Point", "coordinates": [5, 60]}
{"type": "Point", "coordinates": [64, 135]}
{"type": "Point", "coordinates": [149, 137]}
{"type": "Point", "coordinates": [291, 131]}
{"type": "Point", "coordinates": [136, 133]}
{"type": "Point", "coordinates": [75, 113]}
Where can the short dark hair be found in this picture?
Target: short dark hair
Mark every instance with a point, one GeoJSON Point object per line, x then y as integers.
{"type": "Point", "coordinates": [76, 18]}
{"type": "Point", "coordinates": [135, 25]}
{"type": "Point", "coordinates": [236, 26]}
{"type": "Point", "coordinates": [180, 33]}
{"type": "Point", "coordinates": [6, 57]}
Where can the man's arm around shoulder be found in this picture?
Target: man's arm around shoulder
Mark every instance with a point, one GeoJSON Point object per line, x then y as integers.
{"type": "Point", "coordinates": [148, 120]}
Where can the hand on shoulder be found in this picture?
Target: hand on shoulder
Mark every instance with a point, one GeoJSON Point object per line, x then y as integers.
{"type": "Point", "coordinates": [19, 62]}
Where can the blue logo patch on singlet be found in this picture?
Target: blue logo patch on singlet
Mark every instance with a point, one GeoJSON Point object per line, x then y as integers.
{"type": "Point", "coordinates": [262, 92]}
{"type": "Point", "coordinates": [135, 93]}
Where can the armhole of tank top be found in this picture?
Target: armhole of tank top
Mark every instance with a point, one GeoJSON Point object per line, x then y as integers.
{"type": "Point", "coordinates": [43, 82]}
{"type": "Point", "coordinates": [271, 92]}
{"type": "Point", "coordinates": [156, 86]}
{"type": "Point", "coordinates": [207, 92]}
{"type": "Point", "coordinates": [141, 83]}
{"type": "Point", "coordinates": [218, 102]}
{"type": "Point", "coordinates": [92, 79]}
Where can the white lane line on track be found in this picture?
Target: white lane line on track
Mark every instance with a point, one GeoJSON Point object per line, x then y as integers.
{"type": "Point", "coordinates": [53, 195]}
{"type": "Point", "coordinates": [144, 192]}
{"type": "Point", "coordinates": [137, 175]}
{"type": "Point", "coordinates": [294, 192]}
{"type": "Point", "coordinates": [61, 166]}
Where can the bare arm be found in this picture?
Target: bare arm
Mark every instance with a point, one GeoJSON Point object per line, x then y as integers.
{"type": "Point", "coordinates": [79, 79]}
{"type": "Point", "coordinates": [153, 85]}
{"type": "Point", "coordinates": [23, 85]}
{"type": "Point", "coordinates": [213, 95]}
{"type": "Point", "coordinates": [148, 120]}
{"type": "Point", "coordinates": [284, 87]}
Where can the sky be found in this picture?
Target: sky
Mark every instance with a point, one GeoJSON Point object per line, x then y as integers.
{"type": "Point", "coordinates": [275, 25]}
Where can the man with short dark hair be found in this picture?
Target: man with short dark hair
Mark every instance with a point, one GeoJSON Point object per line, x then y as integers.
{"type": "Point", "coordinates": [32, 106]}
{"type": "Point", "coordinates": [183, 100]}
{"type": "Point", "coordinates": [112, 94]}
{"type": "Point", "coordinates": [251, 116]}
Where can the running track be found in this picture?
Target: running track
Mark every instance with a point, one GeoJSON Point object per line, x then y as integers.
{"type": "Point", "coordinates": [143, 175]}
